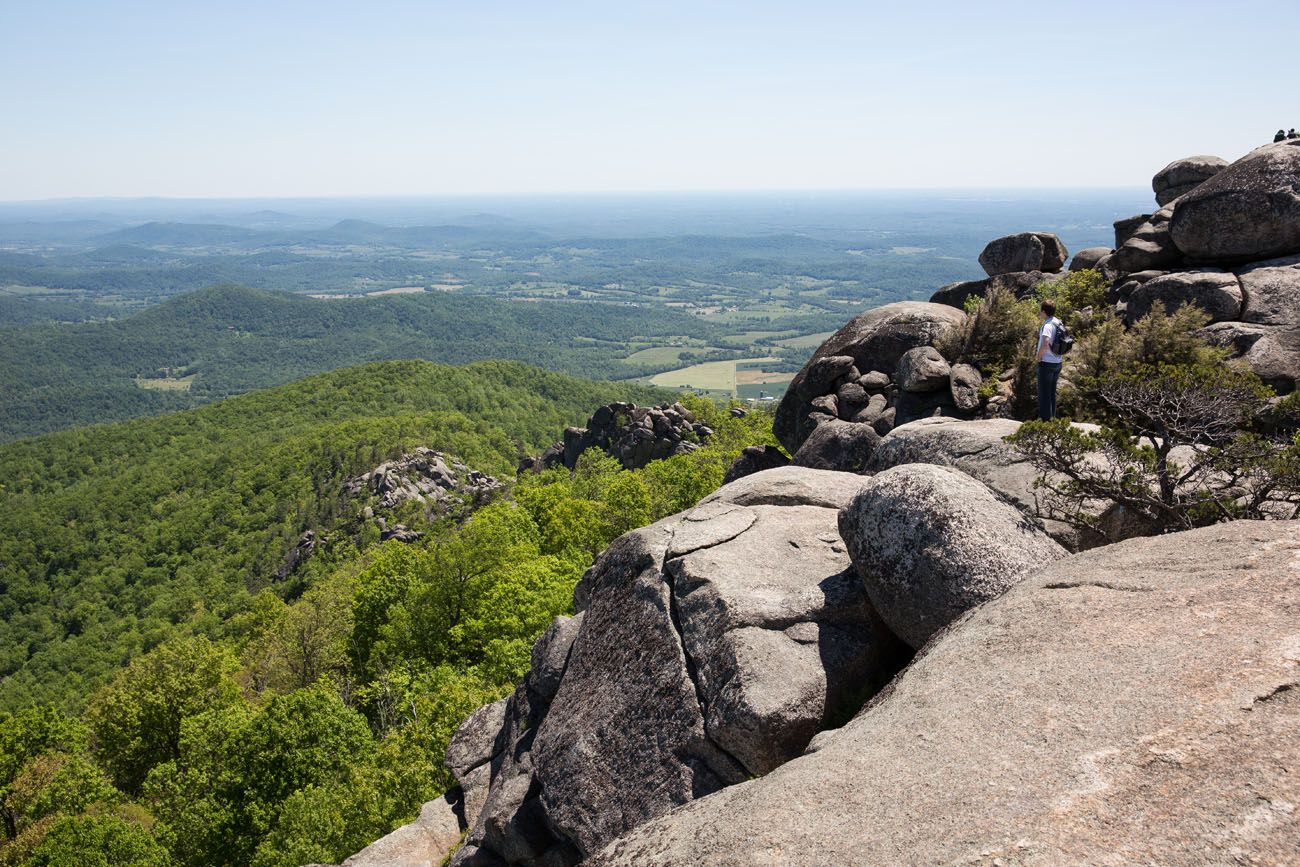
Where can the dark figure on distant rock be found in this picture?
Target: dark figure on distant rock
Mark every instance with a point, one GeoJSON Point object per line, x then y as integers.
{"type": "Point", "coordinates": [1281, 136]}
{"type": "Point", "coordinates": [1293, 133]}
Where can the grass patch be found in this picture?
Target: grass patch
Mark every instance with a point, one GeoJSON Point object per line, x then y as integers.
{"type": "Point", "coordinates": [166, 383]}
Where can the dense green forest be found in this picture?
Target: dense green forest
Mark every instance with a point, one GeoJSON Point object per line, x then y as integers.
{"type": "Point", "coordinates": [167, 702]}
{"type": "Point", "coordinates": [232, 339]}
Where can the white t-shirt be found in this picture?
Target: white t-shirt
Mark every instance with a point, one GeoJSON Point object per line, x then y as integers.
{"type": "Point", "coordinates": [1046, 335]}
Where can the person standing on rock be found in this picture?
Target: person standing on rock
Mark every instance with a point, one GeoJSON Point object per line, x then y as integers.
{"type": "Point", "coordinates": [1049, 363]}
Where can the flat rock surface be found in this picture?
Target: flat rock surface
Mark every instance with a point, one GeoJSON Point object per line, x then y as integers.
{"type": "Point", "coordinates": [790, 486]}
{"type": "Point", "coordinates": [1135, 704]}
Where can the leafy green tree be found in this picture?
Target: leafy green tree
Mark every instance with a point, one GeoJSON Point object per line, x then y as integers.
{"type": "Point", "coordinates": [1180, 444]}
{"type": "Point", "coordinates": [24, 736]}
{"type": "Point", "coordinates": [91, 840]}
{"type": "Point", "coordinates": [136, 720]}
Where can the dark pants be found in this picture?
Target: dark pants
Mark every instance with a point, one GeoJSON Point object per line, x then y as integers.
{"type": "Point", "coordinates": [1048, 374]}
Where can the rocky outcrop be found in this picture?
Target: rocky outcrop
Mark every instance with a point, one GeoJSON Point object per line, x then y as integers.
{"type": "Point", "coordinates": [838, 445]}
{"type": "Point", "coordinates": [1135, 704]}
{"type": "Point", "coordinates": [1216, 292]}
{"type": "Point", "coordinates": [634, 435]}
{"type": "Point", "coordinates": [1149, 245]}
{"type": "Point", "coordinates": [930, 543]}
{"type": "Point", "coordinates": [423, 476]}
{"type": "Point", "coordinates": [1182, 176]}
{"type": "Point", "coordinates": [423, 843]}
{"type": "Point", "coordinates": [1026, 251]}
{"type": "Point", "coordinates": [1089, 257]}
{"type": "Point", "coordinates": [866, 351]}
{"type": "Point", "coordinates": [1248, 211]}
{"type": "Point", "coordinates": [711, 646]}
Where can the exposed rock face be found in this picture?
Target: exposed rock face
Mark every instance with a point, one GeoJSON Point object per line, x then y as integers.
{"type": "Point", "coordinates": [1026, 251]}
{"type": "Point", "coordinates": [635, 435]}
{"type": "Point", "coordinates": [922, 369]}
{"type": "Point", "coordinates": [755, 459]}
{"type": "Point", "coordinates": [1149, 246]}
{"type": "Point", "coordinates": [1182, 176]}
{"type": "Point", "coordinates": [1088, 258]}
{"type": "Point", "coordinates": [871, 342]}
{"type": "Point", "coordinates": [838, 445]}
{"type": "Point", "coordinates": [1216, 292]}
{"type": "Point", "coordinates": [965, 382]}
{"type": "Point", "coordinates": [712, 646]}
{"type": "Point", "coordinates": [931, 542]}
{"type": "Point", "coordinates": [1248, 211]}
{"type": "Point", "coordinates": [1125, 228]}
{"type": "Point", "coordinates": [425, 476]}
{"type": "Point", "coordinates": [423, 843]}
{"type": "Point", "coordinates": [1136, 704]}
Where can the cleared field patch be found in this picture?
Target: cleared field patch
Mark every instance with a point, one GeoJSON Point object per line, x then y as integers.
{"type": "Point", "coordinates": [397, 290]}
{"type": "Point", "coordinates": [166, 383]}
{"type": "Point", "coordinates": [658, 355]}
{"type": "Point", "coordinates": [713, 377]}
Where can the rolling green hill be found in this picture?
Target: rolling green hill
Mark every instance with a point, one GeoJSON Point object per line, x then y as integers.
{"type": "Point", "coordinates": [115, 537]}
{"type": "Point", "coordinates": [232, 339]}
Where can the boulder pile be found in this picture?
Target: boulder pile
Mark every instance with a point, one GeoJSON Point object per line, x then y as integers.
{"type": "Point", "coordinates": [634, 435]}
{"type": "Point", "coordinates": [423, 476]}
{"type": "Point", "coordinates": [1226, 239]}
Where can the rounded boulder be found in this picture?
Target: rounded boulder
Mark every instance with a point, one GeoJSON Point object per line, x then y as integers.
{"type": "Point", "coordinates": [930, 543]}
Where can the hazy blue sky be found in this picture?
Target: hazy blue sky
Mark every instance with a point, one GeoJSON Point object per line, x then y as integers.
{"type": "Point", "coordinates": [323, 98]}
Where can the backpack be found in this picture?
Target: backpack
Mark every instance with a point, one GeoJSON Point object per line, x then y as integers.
{"type": "Point", "coordinates": [1062, 339]}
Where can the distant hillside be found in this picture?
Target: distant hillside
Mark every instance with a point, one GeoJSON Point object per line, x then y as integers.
{"type": "Point", "coordinates": [232, 339]}
{"type": "Point", "coordinates": [113, 537]}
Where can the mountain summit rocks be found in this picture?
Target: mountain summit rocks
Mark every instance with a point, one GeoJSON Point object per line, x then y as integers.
{"type": "Point", "coordinates": [1135, 704]}
{"type": "Point", "coordinates": [635, 435]}
{"type": "Point", "coordinates": [711, 647]}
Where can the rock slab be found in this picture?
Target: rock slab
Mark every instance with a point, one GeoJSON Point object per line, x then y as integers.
{"type": "Point", "coordinates": [1136, 704]}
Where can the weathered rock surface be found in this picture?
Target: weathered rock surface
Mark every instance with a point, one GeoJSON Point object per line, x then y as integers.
{"type": "Point", "coordinates": [965, 382]}
{"type": "Point", "coordinates": [1025, 251]}
{"type": "Point", "coordinates": [930, 543]}
{"type": "Point", "coordinates": [424, 476]}
{"type": "Point", "coordinates": [837, 445]}
{"type": "Point", "coordinates": [1149, 246]}
{"type": "Point", "coordinates": [1182, 176]}
{"type": "Point", "coordinates": [711, 646]}
{"type": "Point", "coordinates": [1218, 293]}
{"type": "Point", "coordinates": [873, 341]}
{"type": "Point", "coordinates": [634, 435]}
{"type": "Point", "coordinates": [1248, 211]}
{"type": "Point", "coordinates": [1125, 228]}
{"type": "Point", "coordinates": [922, 369]}
{"type": "Point", "coordinates": [1137, 704]}
{"type": "Point", "coordinates": [755, 459]}
{"type": "Point", "coordinates": [423, 843]}
{"type": "Point", "coordinates": [1088, 258]}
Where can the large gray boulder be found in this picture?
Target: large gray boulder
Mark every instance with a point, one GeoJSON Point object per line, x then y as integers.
{"type": "Point", "coordinates": [1125, 227]}
{"type": "Point", "coordinates": [922, 369]}
{"type": "Point", "coordinates": [1268, 337]}
{"type": "Point", "coordinates": [711, 646]}
{"type": "Point", "coordinates": [838, 445]}
{"type": "Point", "coordinates": [422, 843]}
{"type": "Point", "coordinates": [778, 627]}
{"type": "Point", "coordinates": [1137, 704]}
{"type": "Point", "coordinates": [1182, 176]}
{"type": "Point", "coordinates": [873, 341]}
{"type": "Point", "coordinates": [1150, 246]}
{"type": "Point", "coordinates": [1216, 292]}
{"type": "Point", "coordinates": [1088, 258]}
{"type": "Point", "coordinates": [931, 542]}
{"type": "Point", "coordinates": [1248, 211]}
{"type": "Point", "coordinates": [1025, 251]}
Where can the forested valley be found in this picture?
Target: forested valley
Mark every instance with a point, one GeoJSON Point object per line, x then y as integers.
{"type": "Point", "coordinates": [168, 698]}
